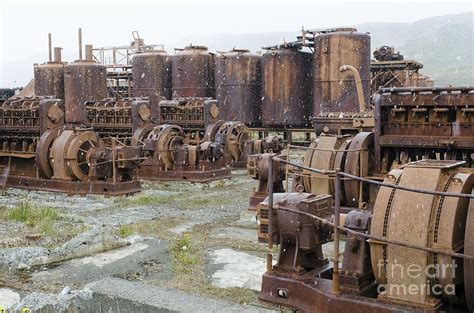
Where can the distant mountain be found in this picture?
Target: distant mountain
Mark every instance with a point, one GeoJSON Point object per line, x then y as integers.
{"type": "Point", "coordinates": [444, 44]}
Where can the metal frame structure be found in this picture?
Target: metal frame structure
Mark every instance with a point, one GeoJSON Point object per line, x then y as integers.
{"type": "Point", "coordinates": [118, 61]}
{"type": "Point", "coordinates": [394, 70]}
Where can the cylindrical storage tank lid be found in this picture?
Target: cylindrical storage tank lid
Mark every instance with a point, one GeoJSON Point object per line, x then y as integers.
{"type": "Point", "coordinates": [238, 86]}
{"type": "Point", "coordinates": [335, 91]}
{"type": "Point", "coordinates": [286, 88]}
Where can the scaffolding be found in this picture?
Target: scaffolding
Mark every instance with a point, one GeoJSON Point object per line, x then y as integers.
{"type": "Point", "coordinates": [118, 61]}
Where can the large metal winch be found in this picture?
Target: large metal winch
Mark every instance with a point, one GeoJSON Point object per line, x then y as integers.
{"type": "Point", "coordinates": [168, 157]}
{"type": "Point", "coordinates": [404, 255]}
{"type": "Point", "coordinates": [424, 219]}
{"type": "Point", "coordinates": [350, 154]}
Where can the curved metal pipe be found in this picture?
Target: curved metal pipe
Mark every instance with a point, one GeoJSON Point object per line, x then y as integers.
{"type": "Point", "coordinates": [358, 81]}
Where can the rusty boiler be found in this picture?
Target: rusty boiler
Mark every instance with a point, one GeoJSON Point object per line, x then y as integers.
{"type": "Point", "coordinates": [192, 72]}
{"type": "Point", "coordinates": [286, 87]}
{"type": "Point", "coordinates": [335, 91]}
{"type": "Point", "coordinates": [84, 80]}
{"type": "Point", "coordinates": [49, 76]}
{"type": "Point", "coordinates": [238, 83]}
{"type": "Point", "coordinates": [152, 76]}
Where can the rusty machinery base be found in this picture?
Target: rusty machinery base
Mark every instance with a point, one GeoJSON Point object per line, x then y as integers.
{"type": "Point", "coordinates": [155, 174]}
{"type": "Point", "coordinates": [312, 292]}
{"type": "Point", "coordinates": [75, 187]}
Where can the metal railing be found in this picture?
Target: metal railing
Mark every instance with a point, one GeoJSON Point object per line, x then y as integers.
{"type": "Point", "coordinates": [338, 176]}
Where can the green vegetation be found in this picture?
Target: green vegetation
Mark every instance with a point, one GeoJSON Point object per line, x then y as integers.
{"type": "Point", "coordinates": [156, 228]}
{"type": "Point", "coordinates": [43, 221]}
{"type": "Point", "coordinates": [144, 200]}
{"type": "Point", "coordinates": [183, 255]}
{"type": "Point", "coordinates": [125, 231]}
{"type": "Point", "coordinates": [209, 201]}
{"type": "Point", "coordinates": [40, 219]}
{"type": "Point", "coordinates": [29, 215]}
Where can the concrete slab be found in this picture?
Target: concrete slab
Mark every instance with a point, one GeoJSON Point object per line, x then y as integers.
{"type": "Point", "coordinates": [8, 298]}
{"type": "Point", "coordinates": [118, 295]}
{"type": "Point", "coordinates": [232, 268]}
{"type": "Point", "coordinates": [247, 219]}
{"type": "Point", "coordinates": [132, 261]}
{"type": "Point", "coordinates": [238, 233]}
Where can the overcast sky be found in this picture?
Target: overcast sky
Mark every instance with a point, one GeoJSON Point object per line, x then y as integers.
{"type": "Point", "coordinates": [25, 23]}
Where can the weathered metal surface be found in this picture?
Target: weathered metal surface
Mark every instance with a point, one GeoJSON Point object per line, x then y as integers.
{"type": "Point", "coordinates": [469, 264]}
{"type": "Point", "coordinates": [119, 118]}
{"type": "Point", "coordinates": [83, 81]}
{"type": "Point", "coordinates": [351, 154]}
{"type": "Point", "coordinates": [41, 152]}
{"type": "Point", "coordinates": [238, 82]}
{"type": "Point", "coordinates": [339, 123]}
{"type": "Point", "coordinates": [424, 122]}
{"type": "Point", "coordinates": [75, 187]}
{"type": "Point", "coordinates": [257, 168]}
{"type": "Point", "coordinates": [427, 220]}
{"type": "Point", "coordinates": [49, 76]}
{"type": "Point", "coordinates": [24, 119]}
{"type": "Point", "coordinates": [169, 158]}
{"type": "Point", "coordinates": [286, 88]}
{"type": "Point", "coordinates": [69, 154]}
{"type": "Point", "coordinates": [49, 80]}
{"type": "Point", "coordinates": [387, 53]}
{"type": "Point", "coordinates": [334, 91]}
{"type": "Point", "coordinates": [358, 161]}
{"type": "Point", "coordinates": [152, 76]}
{"type": "Point", "coordinates": [356, 272]}
{"type": "Point", "coordinates": [233, 136]}
{"type": "Point", "coordinates": [194, 115]}
{"type": "Point", "coordinates": [312, 292]}
{"type": "Point", "coordinates": [389, 74]}
{"type": "Point", "coordinates": [192, 70]}
{"type": "Point", "coordinates": [43, 165]}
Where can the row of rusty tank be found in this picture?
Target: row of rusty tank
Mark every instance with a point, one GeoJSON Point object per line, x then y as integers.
{"type": "Point", "coordinates": [284, 87]}
{"type": "Point", "coordinates": [76, 82]}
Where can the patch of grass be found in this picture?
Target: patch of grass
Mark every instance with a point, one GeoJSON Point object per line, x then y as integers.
{"type": "Point", "coordinates": [44, 221]}
{"type": "Point", "coordinates": [156, 228]}
{"type": "Point", "coordinates": [146, 200]}
{"type": "Point", "coordinates": [190, 274]}
{"type": "Point", "coordinates": [198, 202]}
{"type": "Point", "coordinates": [31, 216]}
{"type": "Point", "coordinates": [183, 255]}
{"type": "Point", "coordinates": [125, 231]}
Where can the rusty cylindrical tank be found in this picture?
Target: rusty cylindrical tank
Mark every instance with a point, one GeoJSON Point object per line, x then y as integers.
{"type": "Point", "coordinates": [333, 90]}
{"type": "Point", "coordinates": [286, 88]}
{"type": "Point", "coordinates": [84, 80]}
{"type": "Point", "coordinates": [192, 71]}
{"type": "Point", "coordinates": [152, 76]}
{"type": "Point", "coordinates": [49, 77]}
{"type": "Point", "coordinates": [238, 83]}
